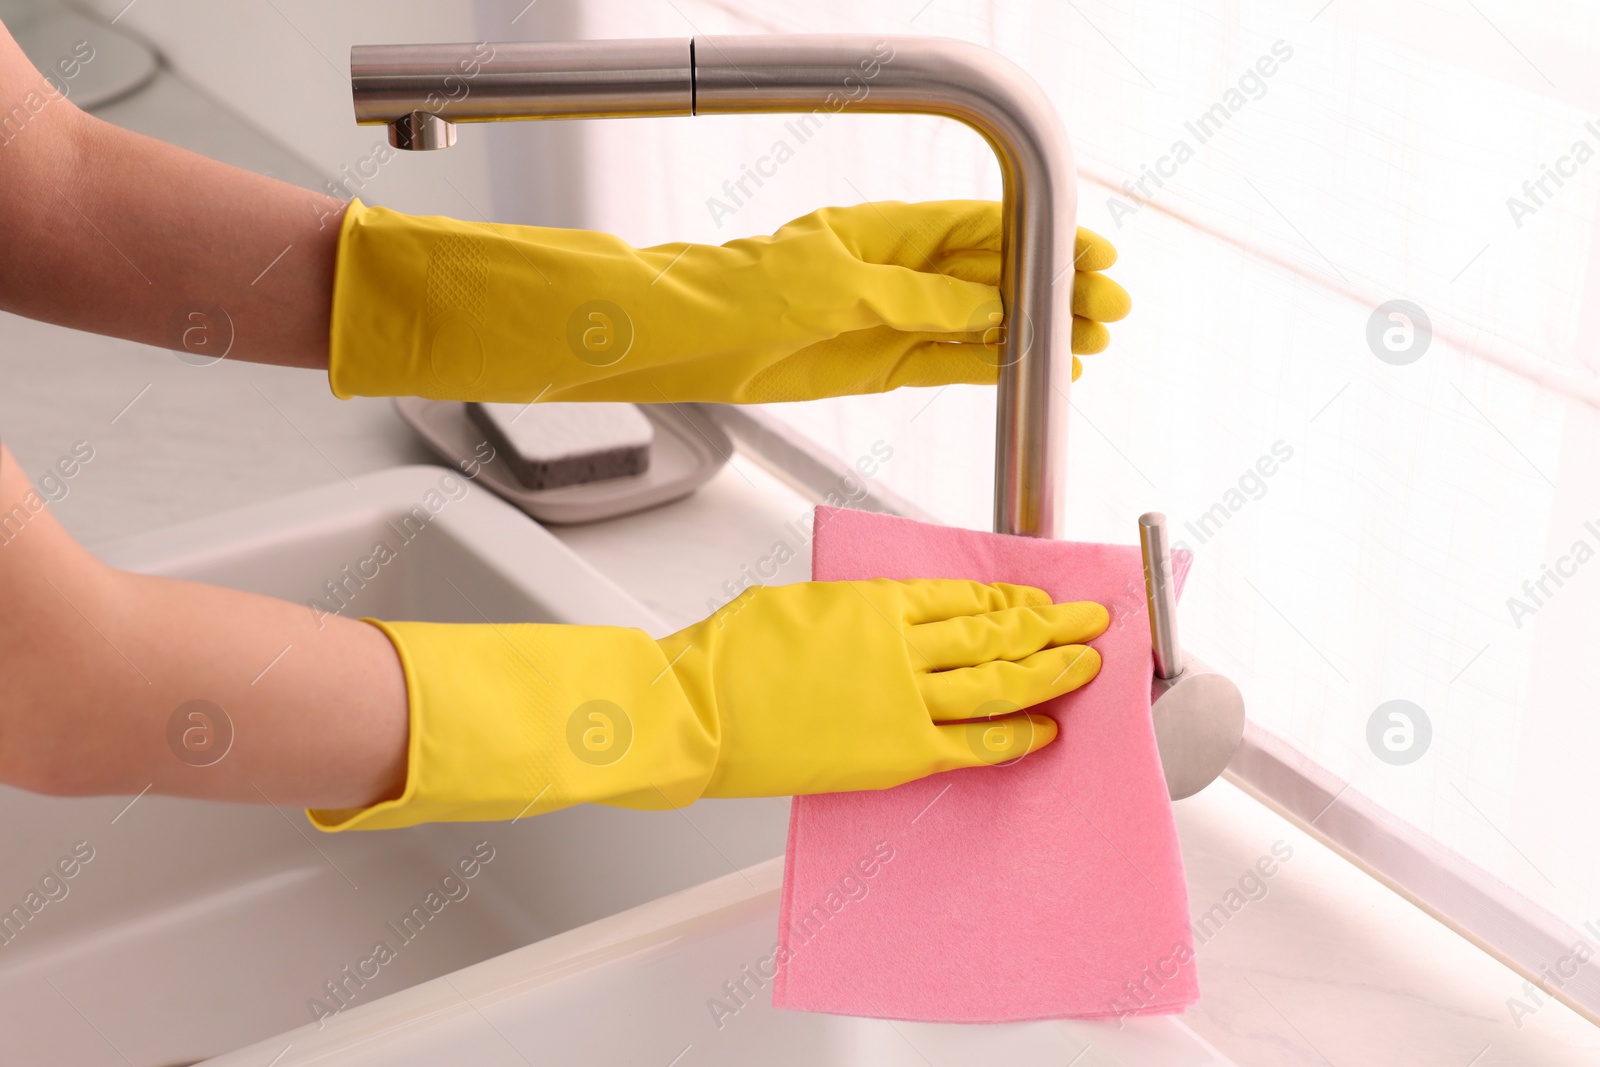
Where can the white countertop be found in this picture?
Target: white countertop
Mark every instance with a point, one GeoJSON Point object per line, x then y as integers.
{"type": "Point", "coordinates": [1327, 967]}
{"type": "Point", "coordinates": [1324, 966]}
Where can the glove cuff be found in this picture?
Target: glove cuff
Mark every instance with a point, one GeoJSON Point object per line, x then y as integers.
{"type": "Point", "coordinates": [421, 308]}
{"type": "Point", "coordinates": [517, 719]}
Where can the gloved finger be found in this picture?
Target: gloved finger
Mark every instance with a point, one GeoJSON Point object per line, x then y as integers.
{"type": "Point", "coordinates": [937, 360]}
{"type": "Point", "coordinates": [960, 693]}
{"type": "Point", "coordinates": [914, 235]}
{"type": "Point", "coordinates": [1095, 296]}
{"type": "Point", "coordinates": [890, 358]}
{"type": "Point", "coordinates": [1089, 336]}
{"type": "Point", "coordinates": [982, 264]}
{"type": "Point", "coordinates": [932, 599]}
{"type": "Point", "coordinates": [916, 301]}
{"type": "Point", "coordinates": [1010, 634]}
{"type": "Point", "coordinates": [871, 361]}
{"type": "Point", "coordinates": [925, 360]}
{"type": "Point", "coordinates": [1092, 252]}
{"type": "Point", "coordinates": [975, 359]}
{"type": "Point", "coordinates": [979, 265]}
{"type": "Point", "coordinates": [994, 741]}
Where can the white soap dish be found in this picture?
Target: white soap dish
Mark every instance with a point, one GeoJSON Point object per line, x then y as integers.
{"type": "Point", "coordinates": [688, 449]}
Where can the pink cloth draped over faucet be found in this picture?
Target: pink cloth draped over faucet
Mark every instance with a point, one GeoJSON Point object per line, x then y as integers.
{"type": "Point", "coordinates": [1049, 888]}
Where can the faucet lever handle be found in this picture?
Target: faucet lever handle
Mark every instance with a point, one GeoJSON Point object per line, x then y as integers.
{"type": "Point", "coordinates": [1198, 714]}
{"type": "Point", "coordinates": [1160, 594]}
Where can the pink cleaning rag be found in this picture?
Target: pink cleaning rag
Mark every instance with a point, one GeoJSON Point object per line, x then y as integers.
{"type": "Point", "coordinates": [1049, 888]}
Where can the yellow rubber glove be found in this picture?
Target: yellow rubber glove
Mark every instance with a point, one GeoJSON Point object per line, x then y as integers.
{"type": "Point", "coordinates": [842, 301]}
{"type": "Point", "coordinates": [808, 688]}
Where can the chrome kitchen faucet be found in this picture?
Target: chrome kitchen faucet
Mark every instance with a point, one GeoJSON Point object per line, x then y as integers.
{"type": "Point", "coordinates": [421, 91]}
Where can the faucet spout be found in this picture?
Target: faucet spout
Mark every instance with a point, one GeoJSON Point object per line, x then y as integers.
{"type": "Point", "coordinates": [421, 91]}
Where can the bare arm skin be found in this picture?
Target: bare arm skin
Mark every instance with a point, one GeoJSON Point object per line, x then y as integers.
{"type": "Point", "coordinates": [108, 231]}
{"type": "Point", "coordinates": [94, 661]}
{"type": "Point", "coordinates": [115, 233]}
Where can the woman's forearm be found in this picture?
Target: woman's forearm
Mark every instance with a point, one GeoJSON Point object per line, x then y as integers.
{"type": "Point", "coordinates": [112, 683]}
{"type": "Point", "coordinates": [117, 233]}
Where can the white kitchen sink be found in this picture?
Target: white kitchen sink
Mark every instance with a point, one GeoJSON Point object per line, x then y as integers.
{"type": "Point", "coordinates": [593, 935]}
{"type": "Point", "coordinates": [636, 989]}
{"type": "Point", "coordinates": [200, 927]}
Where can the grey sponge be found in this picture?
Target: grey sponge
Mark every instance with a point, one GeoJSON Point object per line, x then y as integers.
{"type": "Point", "coordinates": [548, 446]}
